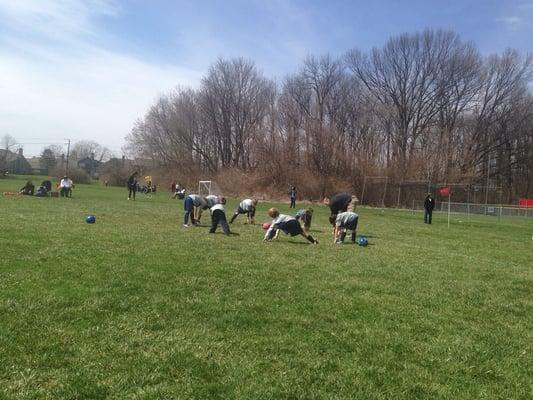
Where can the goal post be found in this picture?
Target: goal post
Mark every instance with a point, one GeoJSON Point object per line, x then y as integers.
{"type": "Point", "coordinates": [206, 188]}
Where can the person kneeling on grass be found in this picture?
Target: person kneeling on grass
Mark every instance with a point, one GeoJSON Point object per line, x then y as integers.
{"type": "Point", "coordinates": [287, 224]}
{"type": "Point", "coordinates": [218, 216]}
{"type": "Point", "coordinates": [343, 222]}
{"type": "Point", "coordinates": [247, 207]}
{"type": "Point", "coordinates": [305, 215]}
{"type": "Point", "coordinates": [191, 202]}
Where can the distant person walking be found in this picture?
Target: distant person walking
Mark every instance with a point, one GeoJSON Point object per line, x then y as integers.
{"type": "Point", "coordinates": [132, 185]}
{"type": "Point", "coordinates": [429, 205]}
{"type": "Point", "coordinates": [293, 193]}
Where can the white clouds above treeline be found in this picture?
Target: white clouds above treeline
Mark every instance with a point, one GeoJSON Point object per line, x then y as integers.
{"type": "Point", "coordinates": [55, 84]}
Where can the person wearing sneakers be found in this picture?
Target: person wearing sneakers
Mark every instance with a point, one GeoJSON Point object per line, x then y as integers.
{"type": "Point", "coordinates": [289, 225]}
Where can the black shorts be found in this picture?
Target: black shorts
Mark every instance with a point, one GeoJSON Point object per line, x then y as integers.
{"type": "Point", "coordinates": [291, 227]}
{"type": "Point", "coordinates": [350, 225]}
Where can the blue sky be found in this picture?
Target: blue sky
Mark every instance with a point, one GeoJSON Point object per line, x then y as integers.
{"type": "Point", "coordinates": [88, 69]}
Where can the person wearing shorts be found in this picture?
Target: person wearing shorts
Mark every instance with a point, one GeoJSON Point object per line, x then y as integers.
{"type": "Point", "coordinates": [289, 225]}
{"type": "Point", "coordinates": [247, 206]}
{"type": "Point", "coordinates": [345, 221]}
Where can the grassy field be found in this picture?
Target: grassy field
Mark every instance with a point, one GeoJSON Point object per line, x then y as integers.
{"type": "Point", "coordinates": [138, 307]}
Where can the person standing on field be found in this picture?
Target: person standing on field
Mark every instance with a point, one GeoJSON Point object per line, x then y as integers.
{"type": "Point", "coordinates": [132, 185]}
{"type": "Point", "coordinates": [429, 205]}
{"type": "Point", "coordinates": [293, 193]}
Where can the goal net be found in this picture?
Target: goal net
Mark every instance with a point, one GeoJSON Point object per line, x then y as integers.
{"type": "Point", "coordinates": [206, 188]}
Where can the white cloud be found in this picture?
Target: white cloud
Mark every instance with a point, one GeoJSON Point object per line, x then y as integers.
{"type": "Point", "coordinates": [76, 90]}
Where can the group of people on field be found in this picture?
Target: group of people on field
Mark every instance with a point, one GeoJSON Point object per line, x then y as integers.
{"type": "Point", "coordinates": [343, 217]}
{"type": "Point", "coordinates": [65, 187]}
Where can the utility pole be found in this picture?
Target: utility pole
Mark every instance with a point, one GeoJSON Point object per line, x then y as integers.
{"type": "Point", "coordinates": [68, 153]}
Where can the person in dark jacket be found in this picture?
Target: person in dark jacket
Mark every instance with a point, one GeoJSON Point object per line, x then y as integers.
{"type": "Point", "coordinates": [293, 194]}
{"type": "Point", "coordinates": [132, 185]}
{"type": "Point", "coordinates": [27, 189]}
{"type": "Point", "coordinates": [429, 205]}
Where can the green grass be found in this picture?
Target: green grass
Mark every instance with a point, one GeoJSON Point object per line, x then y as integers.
{"type": "Point", "coordinates": [138, 307]}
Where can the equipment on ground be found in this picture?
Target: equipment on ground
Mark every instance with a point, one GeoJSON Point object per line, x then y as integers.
{"type": "Point", "coordinates": [266, 226]}
{"type": "Point", "coordinates": [362, 241]}
{"type": "Point", "coordinates": [90, 219]}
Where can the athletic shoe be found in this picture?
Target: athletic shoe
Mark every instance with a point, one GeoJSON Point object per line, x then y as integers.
{"type": "Point", "coordinates": [186, 225]}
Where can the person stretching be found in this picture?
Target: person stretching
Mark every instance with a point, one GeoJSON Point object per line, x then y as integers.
{"type": "Point", "coordinates": [289, 225]}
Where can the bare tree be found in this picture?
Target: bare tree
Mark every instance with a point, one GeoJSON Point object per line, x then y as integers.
{"type": "Point", "coordinates": [90, 149]}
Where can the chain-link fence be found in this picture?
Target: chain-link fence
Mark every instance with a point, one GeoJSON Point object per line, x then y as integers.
{"type": "Point", "coordinates": [380, 191]}
{"type": "Point", "coordinates": [494, 210]}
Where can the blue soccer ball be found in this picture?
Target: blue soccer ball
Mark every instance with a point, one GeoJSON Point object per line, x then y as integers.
{"type": "Point", "coordinates": [362, 241]}
{"type": "Point", "coordinates": [90, 219]}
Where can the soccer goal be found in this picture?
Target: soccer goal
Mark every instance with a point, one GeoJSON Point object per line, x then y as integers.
{"type": "Point", "coordinates": [206, 188]}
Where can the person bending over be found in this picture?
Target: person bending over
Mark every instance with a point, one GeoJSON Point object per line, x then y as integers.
{"type": "Point", "coordinates": [247, 206]}
{"type": "Point", "coordinates": [305, 215]}
{"type": "Point", "coordinates": [289, 225]}
{"type": "Point", "coordinates": [345, 221]}
{"type": "Point", "coordinates": [192, 202]}
{"type": "Point", "coordinates": [218, 216]}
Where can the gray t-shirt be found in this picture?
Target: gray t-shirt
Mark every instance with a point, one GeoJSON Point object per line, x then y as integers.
{"type": "Point", "coordinates": [211, 200]}
{"type": "Point", "coordinates": [198, 201]}
{"type": "Point", "coordinates": [247, 205]}
{"type": "Point", "coordinates": [345, 218]}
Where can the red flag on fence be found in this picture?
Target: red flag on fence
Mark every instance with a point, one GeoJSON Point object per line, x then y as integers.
{"type": "Point", "coordinates": [444, 191]}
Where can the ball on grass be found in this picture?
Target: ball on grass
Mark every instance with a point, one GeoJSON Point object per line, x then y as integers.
{"type": "Point", "coordinates": [362, 241]}
{"type": "Point", "coordinates": [266, 226]}
{"type": "Point", "coordinates": [90, 219]}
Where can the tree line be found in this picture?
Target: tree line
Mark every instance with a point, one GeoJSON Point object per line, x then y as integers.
{"type": "Point", "coordinates": [426, 106]}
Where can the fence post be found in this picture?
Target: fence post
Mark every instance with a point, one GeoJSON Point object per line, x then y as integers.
{"type": "Point", "coordinates": [500, 214]}
{"type": "Point", "coordinates": [399, 193]}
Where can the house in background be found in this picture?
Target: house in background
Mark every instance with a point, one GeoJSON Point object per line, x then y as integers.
{"type": "Point", "coordinates": [14, 163]}
{"type": "Point", "coordinates": [90, 165]}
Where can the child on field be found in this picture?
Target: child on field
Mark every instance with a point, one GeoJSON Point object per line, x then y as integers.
{"type": "Point", "coordinates": [247, 206]}
{"type": "Point", "coordinates": [287, 224]}
{"type": "Point", "coordinates": [345, 221]}
{"type": "Point", "coordinates": [218, 216]}
{"type": "Point", "coordinates": [305, 215]}
{"type": "Point", "coordinates": [192, 202]}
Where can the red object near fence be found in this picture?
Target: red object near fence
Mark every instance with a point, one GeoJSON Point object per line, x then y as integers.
{"type": "Point", "coordinates": [444, 191]}
{"type": "Point", "coordinates": [525, 203]}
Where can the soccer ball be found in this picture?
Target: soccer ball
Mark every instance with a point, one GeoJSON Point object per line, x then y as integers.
{"type": "Point", "coordinates": [362, 241]}
{"type": "Point", "coordinates": [266, 226]}
{"type": "Point", "coordinates": [90, 219]}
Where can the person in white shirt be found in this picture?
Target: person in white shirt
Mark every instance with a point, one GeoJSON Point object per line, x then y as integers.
{"type": "Point", "coordinates": [247, 206]}
{"type": "Point", "coordinates": [345, 221]}
{"type": "Point", "coordinates": [287, 224]}
{"type": "Point", "coordinates": [218, 216]}
{"type": "Point", "coordinates": [65, 187]}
